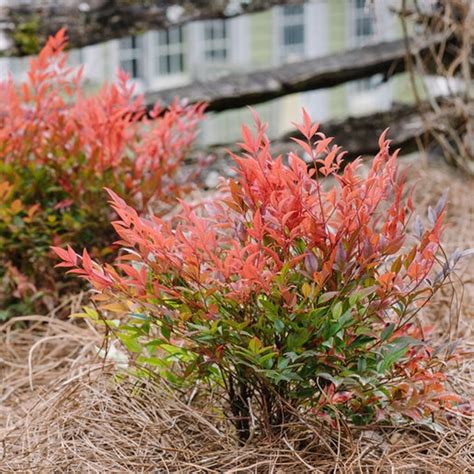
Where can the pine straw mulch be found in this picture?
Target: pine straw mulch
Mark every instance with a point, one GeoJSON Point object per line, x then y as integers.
{"type": "Point", "coordinates": [65, 413]}
{"type": "Point", "coordinates": [62, 410]}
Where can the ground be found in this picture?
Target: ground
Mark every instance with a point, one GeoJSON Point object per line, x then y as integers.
{"type": "Point", "coordinates": [62, 410]}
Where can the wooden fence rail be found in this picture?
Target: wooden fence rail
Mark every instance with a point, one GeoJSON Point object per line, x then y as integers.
{"type": "Point", "coordinates": [358, 136]}
{"type": "Point", "coordinates": [238, 90]}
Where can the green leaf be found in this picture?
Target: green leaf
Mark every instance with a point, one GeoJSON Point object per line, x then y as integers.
{"type": "Point", "coordinates": [292, 355]}
{"type": "Point", "coordinates": [369, 290]}
{"type": "Point", "coordinates": [255, 345]}
{"type": "Point", "coordinates": [153, 361]}
{"type": "Point", "coordinates": [165, 331]}
{"type": "Point", "coordinates": [361, 365]}
{"type": "Point", "coordinates": [297, 339]}
{"type": "Point", "coordinates": [387, 332]}
{"type": "Point", "coordinates": [270, 308]}
{"type": "Point", "coordinates": [131, 343]}
{"type": "Point", "coordinates": [318, 312]}
{"type": "Point", "coordinates": [279, 326]}
{"type": "Point", "coordinates": [283, 363]}
{"type": "Point", "coordinates": [345, 318]}
{"type": "Point", "coordinates": [140, 316]}
{"type": "Point", "coordinates": [329, 377]}
{"type": "Point", "coordinates": [266, 360]}
{"type": "Point", "coordinates": [361, 340]}
{"type": "Point", "coordinates": [407, 340]}
{"type": "Point", "coordinates": [284, 376]}
{"type": "Point", "coordinates": [283, 273]}
{"type": "Point", "coordinates": [327, 296]}
{"type": "Point", "coordinates": [329, 343]}
{"type": "Point", "coordinates": [353, 299]}
{"type": "Point", "coordinates": [391, 356]}
{"type": "Point", "coordinates": [337, 310]}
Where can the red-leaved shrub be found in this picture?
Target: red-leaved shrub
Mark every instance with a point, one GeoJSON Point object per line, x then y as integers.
{"type": "Point", "coordinates": [289, 291]}
{"type": "Point", "coordinates": [59, 148]}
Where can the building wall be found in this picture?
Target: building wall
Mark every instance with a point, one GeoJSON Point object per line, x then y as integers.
{"type": "Point", "coordinates": [262, 40]}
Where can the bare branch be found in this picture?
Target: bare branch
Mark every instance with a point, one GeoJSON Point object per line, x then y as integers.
{"type": "Point", "coordinates": [449, 67]}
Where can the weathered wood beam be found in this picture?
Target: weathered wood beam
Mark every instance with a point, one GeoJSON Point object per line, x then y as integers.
{"type": "Point", "coordinates": [358, 136]}
{"type": "Point", "coordinates": [238, 90]}
{"type": "Point", "coordinates": [26, 27]}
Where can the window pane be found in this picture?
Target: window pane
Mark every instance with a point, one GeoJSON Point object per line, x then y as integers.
{"type": "Point", "coordinates": [215, 44]}
{"type": "Point", "coordinates": [130, 66]}
{"type": "Point", "coordinates": [175, 35]}
{"type": "Point", "coordinates": [163, 65]}
{"type": "Point", "coordinates": [176, 63]}
{"type": "Point", "coordinates": [169, 52]}
{"type": "Point", "coordinates": [220, 54]}
{"type": "Point", "coordinates": [293, 10]}
{"type": "Point", "coordinates": [215, 29]}
{"type": "Point", "coordinates": [129, 54]}
{"type": "Point", "coordinates": [220, 30]}
{"type": "Point", "coordinates": [170, 64]}
{"type": "Point", "coordinates": [364, 26]}
{"type": "Point", "coordinates": [208, 32]}
{"type": "Point", "coordinates": [293, 34]}
{"type": "Point", "coordinates": [163, 36]}
{"type": "Point", "coordinates": [126, 66]}
{"type": "Point", "coordinates": [216, 54]}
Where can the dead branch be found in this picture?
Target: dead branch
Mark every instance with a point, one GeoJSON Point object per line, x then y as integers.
{"type": "Point", "coordinates": [448, 67]}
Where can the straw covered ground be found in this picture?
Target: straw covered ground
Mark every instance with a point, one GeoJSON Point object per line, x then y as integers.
{"type": "Point", "coordinates": [62, 409]}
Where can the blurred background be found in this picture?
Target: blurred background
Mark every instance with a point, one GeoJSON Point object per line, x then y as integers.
{"type": "Point", "coordinates": [206, 50]}
{"type": "Point", "coordinates": [410, 60]}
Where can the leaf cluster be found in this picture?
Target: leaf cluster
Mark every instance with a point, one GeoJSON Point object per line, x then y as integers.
{"type": "Point", "coordinates": [288, 290]}
{"type": "Point", "coordinates": [58, 150]}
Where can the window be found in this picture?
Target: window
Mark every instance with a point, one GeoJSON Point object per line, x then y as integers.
{"type": "Point", "coordinates": [368, 23]}
{"type": "Point", "coordinates": [130, 56]}
{"type": "Point", "coordinates": [292, 44]}
{"type": "Point", "coordinates": [364, 22]}
{"type": "Point", "coordinates": [364, 32]}
{"type": "Point", "coordinates": [216, 41]}
{"type": "Point", "coordinates": [170, 57]}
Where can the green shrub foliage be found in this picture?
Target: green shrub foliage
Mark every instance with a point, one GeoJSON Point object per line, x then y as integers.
{"type": "Point", "coordinates": [58, 149]}
{"type": "Point", "coordinates": [289, 291]}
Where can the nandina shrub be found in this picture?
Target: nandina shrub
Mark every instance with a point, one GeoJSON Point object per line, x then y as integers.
{"type": "Point", "coordinates": [289, 291]}
{"type": "Point", "coordinates": [59, 148]}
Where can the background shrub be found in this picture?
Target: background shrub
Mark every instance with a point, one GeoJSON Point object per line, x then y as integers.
{"type": "Point", "coordinates": [287, 294]}
{"type": "Point", "coordinates": [58, 149]}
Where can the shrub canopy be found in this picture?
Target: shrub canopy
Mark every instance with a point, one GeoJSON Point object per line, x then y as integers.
{"type": "Point", "coordinates": [59, 148]}
{"type": "Point", "coordinates": [288, 290]}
